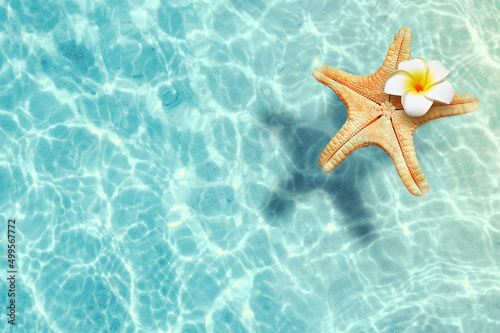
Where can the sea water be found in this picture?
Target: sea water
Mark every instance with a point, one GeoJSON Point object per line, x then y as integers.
{"type": "Point", "coordinates": [160, 161]}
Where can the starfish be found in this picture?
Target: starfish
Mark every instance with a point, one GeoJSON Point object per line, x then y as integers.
{"type": "Point", "coordinates": [376, 118]}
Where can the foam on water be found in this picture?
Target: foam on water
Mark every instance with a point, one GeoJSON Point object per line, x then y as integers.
{"type": "Point", "coordinates": [160, 158]}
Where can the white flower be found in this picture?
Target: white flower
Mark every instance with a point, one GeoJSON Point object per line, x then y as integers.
{"type": "Point", "coordinates": [420, 84]}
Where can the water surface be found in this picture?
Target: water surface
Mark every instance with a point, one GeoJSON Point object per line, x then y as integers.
{"type": "Point", "coordinates": [160, 159]}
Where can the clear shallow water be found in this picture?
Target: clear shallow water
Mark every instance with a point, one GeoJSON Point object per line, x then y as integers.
{"type": "Point", "coordinates": [160, 160]}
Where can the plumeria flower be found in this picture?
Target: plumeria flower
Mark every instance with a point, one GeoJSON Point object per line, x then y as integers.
{"type": "Point", "coordinates": [420, 84]}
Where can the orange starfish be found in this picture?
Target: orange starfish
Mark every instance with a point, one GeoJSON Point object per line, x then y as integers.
{"type": "Point", "coordinates": [376, 118]}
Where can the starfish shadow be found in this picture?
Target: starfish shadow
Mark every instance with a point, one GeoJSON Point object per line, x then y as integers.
{"type": "Point", "coordinates": [302, 144]}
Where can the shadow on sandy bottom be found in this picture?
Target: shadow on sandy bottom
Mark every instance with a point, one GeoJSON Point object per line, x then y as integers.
{"type": "Point", "coordinates": [303, 146]}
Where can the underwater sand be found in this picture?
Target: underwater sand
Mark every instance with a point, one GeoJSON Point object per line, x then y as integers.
{"type": "Point", "coordinates": [160, 160]}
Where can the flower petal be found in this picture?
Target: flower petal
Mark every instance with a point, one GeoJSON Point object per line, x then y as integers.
{"type": "Point", "coordinates": [436, 72]}
{"type": "Point", "coordinates": [416, 67]}
{"type": "Point", "coordinates": [415, 104]}
{"type": "Point", "coordinates": [442, 92]}
{"type": "Point", "coordinates": [398, 83]}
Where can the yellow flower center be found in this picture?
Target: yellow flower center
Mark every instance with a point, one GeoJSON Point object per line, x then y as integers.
{"type": "Point", "coordinates": [419, 86]}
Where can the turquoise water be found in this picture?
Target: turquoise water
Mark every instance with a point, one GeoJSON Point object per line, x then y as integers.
{"type": "Point", "coordinates": [160, 160]}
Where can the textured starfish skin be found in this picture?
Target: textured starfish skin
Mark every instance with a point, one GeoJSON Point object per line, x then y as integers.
{"type": "Point", "coordinates": [375, 118]}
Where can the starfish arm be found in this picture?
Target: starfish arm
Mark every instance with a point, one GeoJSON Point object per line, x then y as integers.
{"type": "Point", "coordinates": [344, 84]}
{"type": "Point", "coordinates": [399, 51]}
{"type": "Point", "coordinates": [346, 141]}
{"type": "Point", "coordinates": [460, 104]}
{"type": "Point", "coordinates": [380, 132]}
{"type": "Point", "coordinates": [408, 168]}
{"type": "Point", "coordinates": [407, 164]}
{"type": "Point", "coordinates": [372, 86]}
